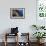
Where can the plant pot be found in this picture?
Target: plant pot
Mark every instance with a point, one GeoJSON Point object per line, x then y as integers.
{"type": "Point", "coordinates": [40, 41]}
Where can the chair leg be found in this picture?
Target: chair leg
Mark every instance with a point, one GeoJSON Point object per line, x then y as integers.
{"type": "Point", "coordinates": [5, 40]}
{"type": "Point", "coordinates": [5, 43]}
{"type": "Point", "coordinates": [17, 39]}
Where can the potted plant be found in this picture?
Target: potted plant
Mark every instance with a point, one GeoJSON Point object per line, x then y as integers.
{"type": "Point", "coordinates": [42, 27]}
{"type": "Point", "coordinates": [39, 35]}
{"type": "Point", "coordinates": [35, 26]}
{"type": "Point", "coordinates": [38, 27]}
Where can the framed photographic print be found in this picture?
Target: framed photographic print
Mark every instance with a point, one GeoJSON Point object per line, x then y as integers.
{"type": "Point", "coordinates": [17, 13]}
{"type": "Point", "coordinates": [41, 12]}
{"type": "Point", "coordinates": [41, 8]}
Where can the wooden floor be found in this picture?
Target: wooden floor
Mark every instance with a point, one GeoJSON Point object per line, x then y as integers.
{"type": "Point", "coordinates": [13, 44]}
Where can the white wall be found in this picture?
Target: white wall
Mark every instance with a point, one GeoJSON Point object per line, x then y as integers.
{"type": "Point", "coordinates": [23, 24]}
